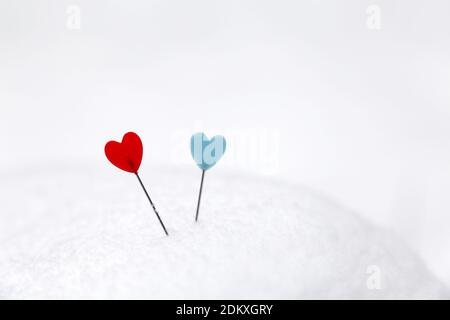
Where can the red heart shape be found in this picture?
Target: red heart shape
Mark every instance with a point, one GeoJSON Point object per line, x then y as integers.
{"type": "Point", "coordinates": [126, 155]}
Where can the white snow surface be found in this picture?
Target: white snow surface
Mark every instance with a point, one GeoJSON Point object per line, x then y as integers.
{"type": "Point", "coordinates": [91, 234]}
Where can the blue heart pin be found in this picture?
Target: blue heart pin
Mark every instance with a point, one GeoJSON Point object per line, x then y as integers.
{"type": "Point", "coordinates": [206, 153]}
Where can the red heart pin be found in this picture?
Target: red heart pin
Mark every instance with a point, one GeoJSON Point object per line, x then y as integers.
{"type": "Point", "coordinates": [126, 155]}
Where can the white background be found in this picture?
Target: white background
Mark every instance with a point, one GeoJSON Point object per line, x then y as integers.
{"type": "Point", "coordinates": [303, 91]}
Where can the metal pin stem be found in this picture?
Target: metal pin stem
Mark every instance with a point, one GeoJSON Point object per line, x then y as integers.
{"type": "Point", "coordinates": [200, 195]}
{"type": "Point", "coordinates": [151, 202]}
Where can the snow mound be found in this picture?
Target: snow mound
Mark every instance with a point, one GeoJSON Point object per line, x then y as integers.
{"type": "Point", "coordinates": [80, 233]}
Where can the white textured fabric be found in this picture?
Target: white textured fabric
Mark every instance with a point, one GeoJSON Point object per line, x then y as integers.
{"type": "Point", "coordinates": [80, 233]}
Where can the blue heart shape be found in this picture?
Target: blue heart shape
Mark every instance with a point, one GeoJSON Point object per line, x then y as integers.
{"type": "Point", "coordinates": [206, 153]}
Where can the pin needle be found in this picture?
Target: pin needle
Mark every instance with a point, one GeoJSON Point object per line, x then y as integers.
{"type": "Point", "coordinates": [151, 202]}
{"type": "Point", "coordinates": [200, 195]}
